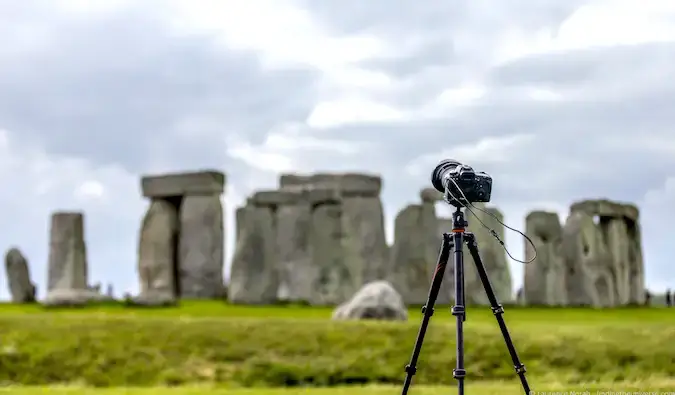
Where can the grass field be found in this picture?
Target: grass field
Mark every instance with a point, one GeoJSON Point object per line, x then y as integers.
{"type": "Point", "coordinates": [496, 388]}
{"type": "Point", "coordinates": [208, 347]}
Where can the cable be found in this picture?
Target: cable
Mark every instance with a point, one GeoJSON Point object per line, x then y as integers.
{"type": "Point", "coordinates": [493, 233]}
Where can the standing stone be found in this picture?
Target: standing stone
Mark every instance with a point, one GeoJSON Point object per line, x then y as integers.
{"type": "Point", "coordinates": [636, 267]}
{"type": "Point", "coordinates": [586, 258]}
{"type": "Point", "coordinates": [21, 288]}
{"type": "Point", "coordinates": [67, 252]}
{"type": "Point", "coordinates": [156, 253]}
{"type": "Point", "coordinates": [363, 243]}
{"type": "Point", "coordinates": [199, 242]}
{"type": "Point", "coordinates": [254, 276]}
{"type": "Point", "coordinates": [67, 273]}
{"type": "Point", "coordinates": [296, 272]}
{"type": "Point", "coordinates": [335, 280]}
{"type": "Point", "coordinates": [545, 277]}
{"type": "Point", "coordinates": [201, 247]}
{"type": "Point", "coordinates": [619, 227]}
{"type": "Point", "coordinates": [415, 253]}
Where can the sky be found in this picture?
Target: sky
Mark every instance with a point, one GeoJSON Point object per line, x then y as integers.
{"type": "Point", "coordinates": [558, 100]}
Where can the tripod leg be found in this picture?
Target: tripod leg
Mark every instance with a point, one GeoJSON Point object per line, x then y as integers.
{"type": "Point", "coordinates": [459, 311]}
{"type": "Point", "coordinates": [497, 309]}
{"type": "Point", "coordinates": [428, 309]}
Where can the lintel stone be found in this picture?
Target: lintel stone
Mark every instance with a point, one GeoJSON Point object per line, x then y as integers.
{"type": "Point", "coordinates": [207, 182]}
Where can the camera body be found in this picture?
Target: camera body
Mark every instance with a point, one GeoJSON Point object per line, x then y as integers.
{"type": "Point", "coordinates": [461, 184]}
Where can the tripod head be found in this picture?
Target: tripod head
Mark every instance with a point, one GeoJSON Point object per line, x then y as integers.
{"type": "Point", "coordinates": [459, 222]}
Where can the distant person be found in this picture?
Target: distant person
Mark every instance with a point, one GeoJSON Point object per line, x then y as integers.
{"type": "Point", "coordinates": [648, 298]}
{"type": "Point", "coordinates": [669, 298]}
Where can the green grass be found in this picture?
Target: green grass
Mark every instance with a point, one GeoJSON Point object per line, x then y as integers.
{"type": "Point", "coordinates": [219, 344]}
{"type": "Point", "coordinates": [493, 388]}
{"type": "Point", "coordinates": [217, 309]}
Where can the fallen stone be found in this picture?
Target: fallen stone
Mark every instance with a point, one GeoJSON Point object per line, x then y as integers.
{"type": "Point", "coordinates": [207, 182]}
{"type": "Point", "coordinates": [21, 289]}
{"type": "Point", "coordinates": [376, 300]}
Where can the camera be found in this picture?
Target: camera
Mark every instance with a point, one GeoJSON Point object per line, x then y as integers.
{"type": "Point", "coordinates": [461, 184]}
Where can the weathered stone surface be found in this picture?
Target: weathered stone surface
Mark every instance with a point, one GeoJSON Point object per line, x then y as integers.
{"type": "Point", "coordinates": [277, 198]}
{"type": "Point", "coordinates": [336, 279]}
{"type": "Point", "coordinates": [618, 225]}
{"type": "Point", "coordinates": [430, 195]}
{"type": "Point", "coordinates": [545, 277]}
{"type": "Point", "coordinates": [201, 247]}
{"type": "Point", "coordinates": [254, 277]}
{"type": "Point", "coordinates": [636, 267]}
{"type": "Point", "coordinates": [67, 252]}
{"type": "Point", "coordinates": [414, 253]}
{"type": "Point", "coordinates": [208, 182]}
{"type": "Point", "coordinates": [296, 271]}
{"type": "Point", "coordinates": [157, 251]}
{"type": "Point", "coordinates": [21, 288]}
{"type": "Point", "coordinates": [365, 244]}
{"type": "Point", "coordinates": [348, 183]}
{"type": "Point", "coordinates": [607, 208]}
{"type": "Point", "coordinates": [588, 262]}
{"type": "Point", "coordinates": [375, 300]}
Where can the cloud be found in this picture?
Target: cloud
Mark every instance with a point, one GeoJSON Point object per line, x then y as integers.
{"type": "Point", "coordinates": [557, 100]}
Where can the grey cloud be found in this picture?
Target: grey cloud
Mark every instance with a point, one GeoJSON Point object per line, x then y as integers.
{"type": "Point", "coordinates": [120, 85]}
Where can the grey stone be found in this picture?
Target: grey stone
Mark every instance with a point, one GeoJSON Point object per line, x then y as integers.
{"type": "Point", "coordinates": [349, 184]}
{"type": "Point", "coordinates": [157, 250]}
{"type": "Point", "coordinates": [208, 182]}
{"type": "Point", "coordinates": [618, 226]}
{"type": "Point", "coordinates": [201, 247]}
{"type": "Point", "coordinates": [414, 253]}
{"type": "Point", "coordinates": [607, 208]}
{"type": "Point", "coordinates": [365, 244]}
{"type": "Point", "coordinates": [545, 278]}
{"type": "Point", "coordinates": [21, 288]}
{"type": "Point", "coordinates": [335, 280]}
{"type": "Point", "coordinates": [296, 271]}
{"type": "Point", "coordinates": [430, 195]}
{"type": "Point", "coordinates": [254, 277]}
{"type": "Point", "coordinates": [588, 261]}
{"type": "Point", "coordinates": [375, 300]}
{"type": "Point", "coordinates": [277, 198]}
{"type": "Point", "coordinates": [67, 252]}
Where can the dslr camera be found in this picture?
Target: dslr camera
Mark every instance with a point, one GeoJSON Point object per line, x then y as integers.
{"type": "Point", "coordinates": [461, 184]}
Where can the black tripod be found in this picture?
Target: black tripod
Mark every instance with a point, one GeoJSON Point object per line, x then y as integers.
{"type": "Point", "coordinates": [456, 240]}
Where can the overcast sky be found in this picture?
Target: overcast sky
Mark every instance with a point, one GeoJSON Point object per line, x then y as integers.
{"type": "Point", "coordinates": [559, 100]}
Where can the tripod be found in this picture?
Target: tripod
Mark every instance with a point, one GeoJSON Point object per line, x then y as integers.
{"type": "Point", "coordinates": [456, 240]}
